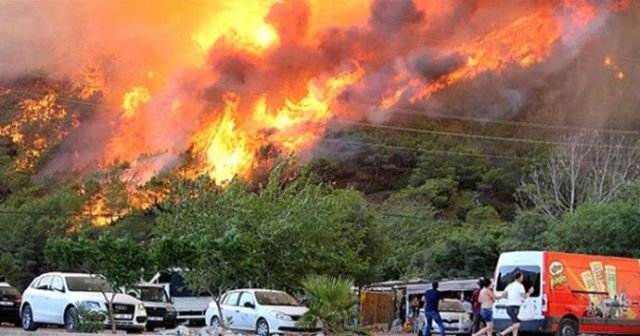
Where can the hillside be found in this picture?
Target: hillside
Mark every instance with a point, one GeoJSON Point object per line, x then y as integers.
{"type": "Point", "coordinates": [533, 145]}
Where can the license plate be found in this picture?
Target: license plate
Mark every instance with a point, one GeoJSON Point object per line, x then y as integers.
{"type": "Point", "coordinates": [6, 303]}
{"type": "Point", "coordinates": [155, 318]}
{"type": "Point", "coordinates": [122, 316]}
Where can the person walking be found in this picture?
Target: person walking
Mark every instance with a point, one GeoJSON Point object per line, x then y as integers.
{"type": "Point", "coordinates": [432, 299]}
{"type": "Point", "coordinates": [515, 295]}
{"type": "Point", "coordinates": [476, 307]}
{"type": "Point", "coordinates": [486, 298]}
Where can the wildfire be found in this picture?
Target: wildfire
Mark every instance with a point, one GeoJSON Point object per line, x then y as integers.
{"type": "Point", "coordinates": [230, 148]}
{"type": "Point", "coordinates": [40, 124]}
{"type": "Point", "coordinates": [240, 22]}
{"type": "Point", "coordinates": [133, 99]}
{"type": "Point", "coordinates": [223, 80]}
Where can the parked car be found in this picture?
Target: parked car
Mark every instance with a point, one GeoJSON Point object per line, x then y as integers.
{"type": "Point", "coordinates": [10, 300]}
{"type": "Point", "coordinates": [456, 320]}
{"type": "Point", "coordinates": [160, 310]}
{"type": "Point", "coordinates": [189, 304]}
{"type": "Point", "coordinates": [261, 311]}
{"type": "Point", "coordinates": [53, 298]}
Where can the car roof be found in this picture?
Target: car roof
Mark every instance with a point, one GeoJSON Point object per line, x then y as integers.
{"type": "Point", "coordinates": [150, 285]}
{"type": "Point", "coordinates": [5, 284]}
{"type": "Point", "coordinates": [253, 290]}
{"type": "Point", "coordinates": [70, 274]}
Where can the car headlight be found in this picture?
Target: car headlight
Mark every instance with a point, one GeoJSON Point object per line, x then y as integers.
{"type": "Point", "coordinates": [91, 305]}
{"type": "Point", "coordinates": [281, 316]}
{"type": "Point", "coordinates": [140, 308]}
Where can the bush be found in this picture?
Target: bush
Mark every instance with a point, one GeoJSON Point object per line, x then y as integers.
{"type": "Point", "coordinates": [331, 303]}
{"type": "Point", "coordinates": [89, 321]}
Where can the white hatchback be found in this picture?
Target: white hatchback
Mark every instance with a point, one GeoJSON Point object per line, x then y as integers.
{"type": "Point", "coordinates": [53, 298]}
{"type": "Point", "coordinates": [262, 311]}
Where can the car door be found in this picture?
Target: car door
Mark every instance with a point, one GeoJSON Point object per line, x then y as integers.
{"type": "Point", "coordinates": [40, 300]}
{"type": "Point", "coordinates": [230, 310]}
{"type": "Point", "coordinates": [248, 314]}
{"type": "Point", "coordinates": [57, 300]}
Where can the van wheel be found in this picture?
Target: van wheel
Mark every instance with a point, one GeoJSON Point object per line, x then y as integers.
{"type": "Point", "coordinates": [568, 327]}
{"type": "Point", "coordinates": [27, 319]}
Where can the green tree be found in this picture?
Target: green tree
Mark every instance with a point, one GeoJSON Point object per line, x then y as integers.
{"type": "Point", "coordinates": [120, 260]}
{"type": "Point", "coordinates": [272, 236]}
{"type": "Point", "coordinates": [10, 270]}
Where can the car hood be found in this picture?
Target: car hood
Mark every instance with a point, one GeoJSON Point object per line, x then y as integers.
{"type": "Point", "coordinates": [289, 310]}
{"type": "Point", "coordinates": [98, 297]}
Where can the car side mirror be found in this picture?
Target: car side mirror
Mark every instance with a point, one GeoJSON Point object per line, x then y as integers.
{"type": "Point", "coordinates": [249, 305]}
{"type": "Point", "coordinates": [60, 290]}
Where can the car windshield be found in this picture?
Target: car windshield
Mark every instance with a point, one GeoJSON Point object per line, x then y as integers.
{"type": "Point", "coordinates": [87, 284]}
{"type": "Point", "coordinates": [275, 299]}
{"type": "Point", "coordinates": [451, 306]}
{"type": "Point", "coordinates": [153, 294]}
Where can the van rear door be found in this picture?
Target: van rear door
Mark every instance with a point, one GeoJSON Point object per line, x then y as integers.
{"type": "Point", "coordinates": [531, 265]}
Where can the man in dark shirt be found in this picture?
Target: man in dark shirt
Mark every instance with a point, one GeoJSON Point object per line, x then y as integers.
{"type": "Point", "coordinates": [432, 298]}
{"type": "Point", "coordinates": [475, 304]}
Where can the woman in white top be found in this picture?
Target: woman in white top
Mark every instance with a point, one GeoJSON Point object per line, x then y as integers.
{"type": "Point", "coordinates": [486, 299]}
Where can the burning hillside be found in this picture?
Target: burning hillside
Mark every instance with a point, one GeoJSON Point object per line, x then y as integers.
{"type": "Point", "coordinates": [225, 82]}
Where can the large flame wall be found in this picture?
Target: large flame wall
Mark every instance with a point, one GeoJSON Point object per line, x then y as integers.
{"type": "Point", "coordinates": [223, 80]}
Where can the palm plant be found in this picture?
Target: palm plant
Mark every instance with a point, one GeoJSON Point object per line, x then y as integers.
{"type": "Point", "coordinates": [330, 302]}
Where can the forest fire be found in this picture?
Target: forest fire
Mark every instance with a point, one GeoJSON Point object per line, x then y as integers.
{"type": "Point", "coordinates": [237, 77]}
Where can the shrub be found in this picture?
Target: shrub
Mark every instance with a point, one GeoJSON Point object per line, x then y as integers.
{"type": "Point", "coordinates": [331, 303]}
{"type": "Point", "coordinates": [89, 321]}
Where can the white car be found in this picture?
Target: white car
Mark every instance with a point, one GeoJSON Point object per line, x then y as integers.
{"type": "Point", "coordinates": [456, 320]}
{"type": "Point", "coordinates": [262, 311]}
{"type": "Point", "coordinates": [53, 298]}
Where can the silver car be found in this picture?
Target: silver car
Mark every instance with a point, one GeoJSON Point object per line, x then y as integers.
{"type": "Point", "coordinates": [456, 320]}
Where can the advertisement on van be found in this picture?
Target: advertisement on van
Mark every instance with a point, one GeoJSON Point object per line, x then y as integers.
{"type": "Point", "coordinates": [601, 287]}
{"type": "Point", "coordinates": [573, 293]}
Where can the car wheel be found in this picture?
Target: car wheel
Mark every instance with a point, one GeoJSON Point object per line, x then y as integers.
{"type": "Point", "coordinates": [150, 328]}
{"type": "Point", "coordinates": [262, 328]}
{"type": "Point", "coordinates": [70, 318]}
{"type": "Point", "coordinates": [568, 327]}
{"type": "Point", "coordinates": [215, 323]}
{"type": "Point", "coordinates": [27, 319]}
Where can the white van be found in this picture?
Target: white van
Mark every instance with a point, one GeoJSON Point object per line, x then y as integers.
{"type": "Point", "coordinates": [190, 306]}
{"type": "Point", "coordinates": [530, 264]}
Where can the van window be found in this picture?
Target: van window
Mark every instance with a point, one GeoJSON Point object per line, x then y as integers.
{"type": "Point", "coordinates": [506, 275]}
{"type": "Point", "coordinates": [178, 285]}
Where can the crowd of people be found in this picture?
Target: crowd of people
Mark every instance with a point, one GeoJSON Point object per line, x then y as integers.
{"type": "Point", "coordinates": [481, 304]}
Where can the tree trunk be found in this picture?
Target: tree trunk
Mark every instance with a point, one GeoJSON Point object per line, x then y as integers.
{"type": "Point", "coordinates": [111, 315]}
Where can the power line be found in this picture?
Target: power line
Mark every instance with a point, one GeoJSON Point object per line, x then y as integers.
{"type": "Point", "coordinates": [71, 215]}
{"type": "Point", "coordinates": [414, 130]}
{"type": "Point", "coordinates": [423, 150]}
{"type": "Point", "coordinates": [371, 104]}
{"type": "Point", "coordinates": [478, 136]}
{"type": "Point", "coordinates": [66, 214]}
